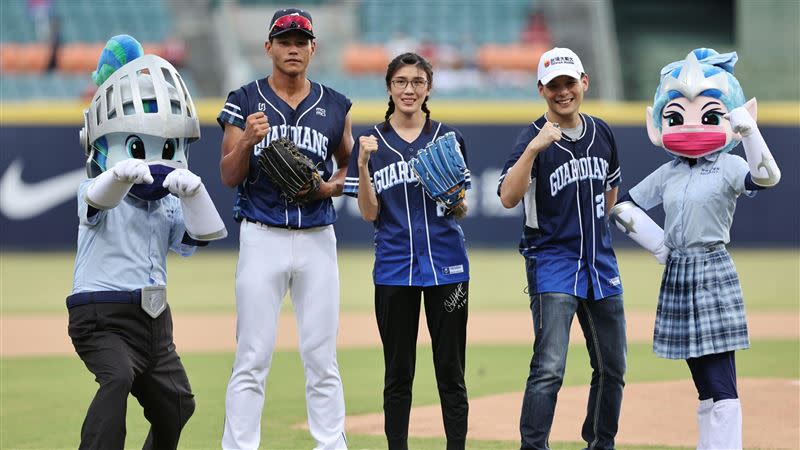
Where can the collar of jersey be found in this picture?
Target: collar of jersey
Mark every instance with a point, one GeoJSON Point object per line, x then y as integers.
{"type": "Point", "coordinates": [712, 158]}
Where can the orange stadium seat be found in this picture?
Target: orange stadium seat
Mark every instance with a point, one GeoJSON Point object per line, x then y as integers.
{"type": "Point", "coordinates": [510, 57]}
{"type": "Point", "coordinates": [10, 55]}
{"type": "Point", "coordinates": [78, 57]}
{"type": "Point", "coordinates": [24, 58]}
{"type": "Point", "coordinates": [82, 57]}
{"type": "Point", "coordinates": [362, 59]}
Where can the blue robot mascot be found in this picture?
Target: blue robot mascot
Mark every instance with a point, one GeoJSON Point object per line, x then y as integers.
{"type": "Point", "coordinates": [140, 201]}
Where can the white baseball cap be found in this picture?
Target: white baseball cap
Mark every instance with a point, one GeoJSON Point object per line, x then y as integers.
{"type": "Point", "coordinates": [559, 61]}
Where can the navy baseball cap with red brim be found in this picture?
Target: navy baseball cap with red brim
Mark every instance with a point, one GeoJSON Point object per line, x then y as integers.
{"type": "Point", "coordinates": [291, 19]}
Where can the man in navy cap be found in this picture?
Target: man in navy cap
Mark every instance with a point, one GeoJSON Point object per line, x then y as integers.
{"type": "Point", "coordinates": [285, 246]}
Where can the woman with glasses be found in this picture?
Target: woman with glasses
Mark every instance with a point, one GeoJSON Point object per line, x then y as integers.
{"type": "Point", "coordinates": [419, 251]}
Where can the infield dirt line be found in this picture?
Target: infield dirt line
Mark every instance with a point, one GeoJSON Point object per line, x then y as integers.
{"type": "Point", "coordinates": [653, 413]}
{"type": "Point", "coordinates": [32, 335]}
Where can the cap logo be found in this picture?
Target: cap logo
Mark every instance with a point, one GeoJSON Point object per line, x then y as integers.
{"type": "Point", "coordinates": [560, 60]}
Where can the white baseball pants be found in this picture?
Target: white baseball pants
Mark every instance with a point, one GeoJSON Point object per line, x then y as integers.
{"type": "Point", "coordinates": [272, 261]}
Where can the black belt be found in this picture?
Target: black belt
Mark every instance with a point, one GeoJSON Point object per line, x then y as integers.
{"type": "Point", "coordinates": [84, 298]}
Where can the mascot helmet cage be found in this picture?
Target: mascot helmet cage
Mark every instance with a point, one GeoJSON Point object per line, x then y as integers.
{"type": "Point", "coordinates": [122, 104]}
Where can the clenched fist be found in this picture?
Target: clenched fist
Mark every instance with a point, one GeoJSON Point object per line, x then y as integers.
{"type": "Point", "coordinates": [741, 121]}
{"type": "Point", "coordinates": [549, 133]}
{"type": "Point", "coordinates": [134, 171]}
{"type": "Point", "coordinates": [256, 128]}
{"type": "Point", "coordinates": [182, 183]}
{"type": "Point", "coordinates": [367, 146]}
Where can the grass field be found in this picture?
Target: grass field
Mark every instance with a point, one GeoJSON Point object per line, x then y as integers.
{"type": "Point", "coordinates": [38, 412]}
{"type": "Point", "coordinates": [43, 400]}
{"type": "Point", "coordinates": [39, 282]}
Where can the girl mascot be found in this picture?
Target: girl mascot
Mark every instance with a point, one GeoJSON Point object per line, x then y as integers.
{"type": "Point", "coordinates": [698, 116]}
{"type": "Point", "coordinates": [136, 134]}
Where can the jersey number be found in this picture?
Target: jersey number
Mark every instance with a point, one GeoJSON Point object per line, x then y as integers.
{"type": "Point", "coordinates": [600, 209]}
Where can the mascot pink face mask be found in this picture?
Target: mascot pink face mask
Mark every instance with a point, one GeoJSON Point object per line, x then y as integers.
{"type": "Point", "coordinates": [692, 128]}
{"type": "Point", "coordinates": [693, 141]}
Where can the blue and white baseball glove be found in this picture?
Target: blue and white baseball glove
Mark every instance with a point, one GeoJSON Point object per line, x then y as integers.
{"type": "Point", "coordinates": [441, 170]}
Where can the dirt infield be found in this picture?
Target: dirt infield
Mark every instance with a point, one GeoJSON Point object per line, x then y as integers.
{"type": "Point", "coordinates": [652, 412]}
{"type": "Point", "coordinates": [204, 333]}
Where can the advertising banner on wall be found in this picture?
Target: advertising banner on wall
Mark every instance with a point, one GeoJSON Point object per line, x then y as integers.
{"type": "Point", "coordinates": [41, 167]}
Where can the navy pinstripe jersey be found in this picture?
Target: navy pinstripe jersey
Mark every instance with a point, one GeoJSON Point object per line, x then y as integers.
{"type": "Point", "coordinates": [316, 127]}
{"type": "Point", "coordinates": [416, 243]}
{"type": "Point", "coordinates": [565, 231]}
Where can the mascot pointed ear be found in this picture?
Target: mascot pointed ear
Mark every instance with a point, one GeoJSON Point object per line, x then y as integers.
{"type": "Point", "coordinates": [752, 107]}
{"type": "Point", "coordinates": [652, 131]}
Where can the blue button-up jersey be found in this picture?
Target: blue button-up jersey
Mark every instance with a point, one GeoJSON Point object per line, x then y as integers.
{"type": "Point", "coordinates": [316, 127]}
{"type": "Point", "coordinates": [565, 229]}
{"type": "Point", "coordinates": [416, 243]}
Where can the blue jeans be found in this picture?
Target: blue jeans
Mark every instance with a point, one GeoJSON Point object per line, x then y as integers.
{"type": "Point", "coordinates": [603, 324]}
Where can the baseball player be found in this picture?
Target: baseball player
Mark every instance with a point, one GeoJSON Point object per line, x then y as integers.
{"type": "Point", "coordinates": [699, 115]}
{"type": "Point", "coordinates": [136, 134]}
{"type": "Point", "coordinates": [419, 249]}
{"type": "Point", "coordinates": [565, 169]}
{"type": "Point", "coordinates": [285, 246]}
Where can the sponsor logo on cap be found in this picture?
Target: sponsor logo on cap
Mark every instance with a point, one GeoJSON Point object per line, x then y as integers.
{"type": "Point", "coordinates": [560, 60]}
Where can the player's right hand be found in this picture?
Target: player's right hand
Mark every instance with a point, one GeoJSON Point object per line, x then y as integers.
{"type": "Point", "coordinates": [549, 133]}
{"type": "Point", "coordinates": [132, 170]}
{"type": "Point", "coordinates": [256, 128]}
{"type": "Point", "coordinates": [367, 146]}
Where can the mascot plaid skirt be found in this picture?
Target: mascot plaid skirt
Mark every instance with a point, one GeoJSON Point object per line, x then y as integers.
{"type": "Point", "coordinates": [700, 307]}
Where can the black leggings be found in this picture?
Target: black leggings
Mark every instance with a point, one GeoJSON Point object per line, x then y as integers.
{"type": "Point", "coordinates": [714, 375]}
{"type": "Point", "coordinates": [397, 310]}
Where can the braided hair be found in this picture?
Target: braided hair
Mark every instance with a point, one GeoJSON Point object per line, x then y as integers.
{"type": "Point", "coordinates": [408, 59]}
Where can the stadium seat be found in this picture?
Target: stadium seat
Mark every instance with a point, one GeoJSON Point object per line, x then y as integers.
{"type": "Point", "coordinates": [79, 57]}
{"type": "Point", "coordinates": [82, 57]}
{"type": "Point", "coordinates": [509, 57]}
{"type": "Point", "coordinates": [9, 57]}
{"type": "Point", "coordinates": [32, 57]}
{"type": "Point", "coordinates": [362, 59]}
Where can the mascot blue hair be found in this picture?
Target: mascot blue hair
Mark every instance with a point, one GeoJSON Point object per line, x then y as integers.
{"type": "Point", "coordinates": [704, 73]}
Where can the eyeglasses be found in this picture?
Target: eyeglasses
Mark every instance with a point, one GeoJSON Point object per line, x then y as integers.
{"type": "Point", "coordinates": [291, 21]}
{"type": "Point", "coordinates": [416, 83]}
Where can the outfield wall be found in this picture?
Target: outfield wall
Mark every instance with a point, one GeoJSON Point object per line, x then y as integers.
{"type": "Point", "coordinates": [40, 165]}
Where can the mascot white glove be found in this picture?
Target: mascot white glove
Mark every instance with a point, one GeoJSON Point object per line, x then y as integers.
{"type": "Point", "coordinates": [201, 218]}
{"type": "Point", "coordinates": [763, 169]}
{"type": "Point", "coordinates": [111, 186]}
{"type": "Point", "coordinates": [633, 221]}
{"type": "Point", "coordinates": [742, 122]}
{"type": "Point", "coordinates": [182, 183]}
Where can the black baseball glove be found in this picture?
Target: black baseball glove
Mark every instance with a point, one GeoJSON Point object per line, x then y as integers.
{"type": "Point", "coordinates": [293, 172]}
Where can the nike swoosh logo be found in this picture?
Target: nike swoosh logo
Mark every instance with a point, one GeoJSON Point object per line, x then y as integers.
{"type": "Point", "coordinates": [20, 200]}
